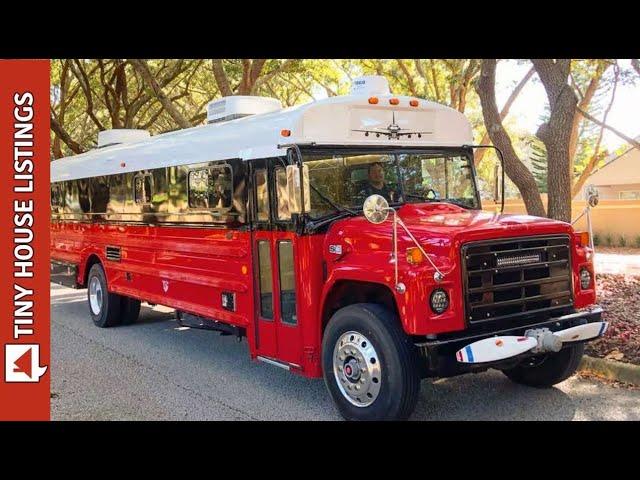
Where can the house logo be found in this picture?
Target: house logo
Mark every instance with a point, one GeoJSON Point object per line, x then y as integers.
{"type": "Point", "coordinates": [22, 363]}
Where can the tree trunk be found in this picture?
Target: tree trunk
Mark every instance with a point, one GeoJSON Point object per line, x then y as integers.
{"type": "Point", "coordinates": [556, 134]}
{"type": "Point", "coordinates": [514, 168]}
{"type": "Point", "coordinates": [503, 113]}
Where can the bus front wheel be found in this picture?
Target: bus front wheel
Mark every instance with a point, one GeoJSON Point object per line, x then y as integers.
{"type": "Point", "coordinates": [369, 364]}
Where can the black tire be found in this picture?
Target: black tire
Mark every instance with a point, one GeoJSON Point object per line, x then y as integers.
{"type": "Point", "coordinates": [129, 310]}
{"type": "Point", "coordinates": [109, 304]}
{"type": "Point", "coordinates": [553, 369]}
{"type": "Point", "coordinates": [400, 380]}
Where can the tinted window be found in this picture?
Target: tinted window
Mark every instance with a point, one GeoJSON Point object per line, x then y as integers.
{"type": "Point", "coordinates": [262, 196]}
{"type": "Point", "coordinates": [281, 194]}
{"type": "Point", "coordinates": [264, 272]}
{"type": "Point", "coordinates": [142, 187]}
{"type": "Point", "coordinates": [211, 188]}
{"type": "Point", "coordinates": [287, 283]}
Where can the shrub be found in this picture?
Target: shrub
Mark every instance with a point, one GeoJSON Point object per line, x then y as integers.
{"type": "Point", "coordinates": [597, 240]}
{"type": "Point", "coordinates": [636, 242]}
{"type": "Point", "coordinates": [622, 241]}
{"type": "Point", "coordinates": [608, 240]}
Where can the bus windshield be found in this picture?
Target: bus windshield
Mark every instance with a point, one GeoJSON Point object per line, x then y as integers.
{"type": "Point", "coordinates": [345, 180]}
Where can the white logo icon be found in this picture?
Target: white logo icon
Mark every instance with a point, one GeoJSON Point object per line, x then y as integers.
{"type": "Point", "coordinates": [165, 285]}
{"type": "Point", "coordinates": [22, 363]}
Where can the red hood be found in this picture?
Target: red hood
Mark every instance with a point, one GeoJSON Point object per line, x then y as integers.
{"type": "Point", "coordinates": [441, 226]}
{"type": "Point", "coordinates": [447, 220]}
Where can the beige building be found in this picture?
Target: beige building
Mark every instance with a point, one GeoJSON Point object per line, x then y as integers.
{"type": "Point", "coordinates": [618, 179]}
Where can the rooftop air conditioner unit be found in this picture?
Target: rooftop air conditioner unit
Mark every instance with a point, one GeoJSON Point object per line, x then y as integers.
{"type": "Point", "coordinates": [121, 135]}
{"type": "Point", "coordinates": [238, 106]}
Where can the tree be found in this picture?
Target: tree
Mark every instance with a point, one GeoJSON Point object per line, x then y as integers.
{"type": "Point", "coordinates": [514, 168]}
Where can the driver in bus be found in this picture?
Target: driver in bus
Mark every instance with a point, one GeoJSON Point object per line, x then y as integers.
{"type": "Point", "coordinates": [376, 183]}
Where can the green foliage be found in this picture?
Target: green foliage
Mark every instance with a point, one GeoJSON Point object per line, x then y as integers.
{"type": "Point", "coordinates": [622, 241]}
{"type": "Point", "coordinates": [636, 241]}
{"type": "Point", "coordinates": [538, 159]}
{"type": "Point", "coordinates": [608, 240]}
{"type": "Point", "coordinates": [597, 240]}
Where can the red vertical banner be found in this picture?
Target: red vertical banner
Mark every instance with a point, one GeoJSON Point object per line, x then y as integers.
{"type": "Point", "coordinates": [24, 240]}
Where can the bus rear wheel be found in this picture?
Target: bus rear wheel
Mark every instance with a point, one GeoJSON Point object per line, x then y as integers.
{"type": "Point", "coordinates": [129, 310]}
{"type": "Point", "coordinates": [370, 366]}
{"type": "Point", "coordinates": [104, 306]}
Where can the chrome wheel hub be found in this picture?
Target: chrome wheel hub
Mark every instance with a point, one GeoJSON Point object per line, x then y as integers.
{"type": "Point", "coordinates": [95, 295]}
{"type": "Point", "coordinates": [356, 367]}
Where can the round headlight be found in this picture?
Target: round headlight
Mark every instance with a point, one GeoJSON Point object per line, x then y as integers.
{"type": "Point", "coordinates": [585, 278]}
{"type": "Point", "coordinates": [439, 300]}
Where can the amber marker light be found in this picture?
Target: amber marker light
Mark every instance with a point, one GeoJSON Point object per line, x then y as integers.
{"type": "Point", "coordinates": [373, 100]}
{"type": "Point", "coordinates": [414, 256]}
{"type": "Point", "coordinates": [285, 133]}
{"type": "Point", "coordinates": [584, 238]}
{"type": "Point", "coordinates": [414, 103]}
{"type": "Point", "coordinates": [394, 101]}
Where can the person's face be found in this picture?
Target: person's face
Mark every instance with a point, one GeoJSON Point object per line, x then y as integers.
{"type": "Point", "coordinates": [376, 174]}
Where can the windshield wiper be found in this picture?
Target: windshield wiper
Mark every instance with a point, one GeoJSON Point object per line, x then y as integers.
{"type": "Point", "coordinates": [339, 208]}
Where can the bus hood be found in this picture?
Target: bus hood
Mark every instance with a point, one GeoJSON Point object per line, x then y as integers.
{"type": "Point", "coordinates": [439, 227]}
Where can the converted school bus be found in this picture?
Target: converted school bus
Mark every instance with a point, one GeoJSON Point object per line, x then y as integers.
{"type": "Point", "coordinates": [343, 238]}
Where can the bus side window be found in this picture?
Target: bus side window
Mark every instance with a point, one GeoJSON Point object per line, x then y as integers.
{"type": "Point", "coordinates": [281, 194]}
{"type": "Point", "coordinates": [210, 188]}
{"type": "Point", "coordinates": [142, 186]}
{"type": "Point", "coordinates": [262, 195]}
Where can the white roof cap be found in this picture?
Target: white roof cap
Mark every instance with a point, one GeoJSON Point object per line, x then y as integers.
{"type": "Point", "coordinates": [370, 85]}
{"type": "Point", "coordinates": [121, 135]}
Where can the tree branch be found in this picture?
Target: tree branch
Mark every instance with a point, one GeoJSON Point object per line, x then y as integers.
{"type": "Point", "coordinates": [221, 77]}
{"type": "Point", "coordinates": [62, 134]}
{"type": "Point", "coordinates": [514, 168]}
{"type": "Point", "coordinates": [143, 69]}
{"type": "Point", "coordinates": [610, 128]}
{"type": "Point", "coordinates": [479, 155]}
{"type": "Point", "coordinates": [411, 84]}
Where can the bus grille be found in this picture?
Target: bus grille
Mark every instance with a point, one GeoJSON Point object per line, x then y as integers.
{"type": "Point", "coordinates": [522, 277]}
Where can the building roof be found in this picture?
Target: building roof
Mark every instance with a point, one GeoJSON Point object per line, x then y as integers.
{"type": "Point", "coordinates": [619, 169]}
{"type": "Point", "coordinates": [331, 121]}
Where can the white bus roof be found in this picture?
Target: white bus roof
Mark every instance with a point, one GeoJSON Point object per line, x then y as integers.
{"type": "Point", "coordinates": [349, 120]}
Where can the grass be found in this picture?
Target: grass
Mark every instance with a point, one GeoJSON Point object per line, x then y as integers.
{"type": "Point", "coordinates": [622, 242]}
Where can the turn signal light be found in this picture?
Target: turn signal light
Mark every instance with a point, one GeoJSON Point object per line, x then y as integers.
{"type": "Point", "coordinates": [413, 103]}
{"type": "Point", "coordinates": [584, 238]}
{"type": "Point", "coordinates": [414, 256]}
{"type": "Point", "coordinates": [394, 101]}
{"type": "Point", "coordinates": [373, 100]}
{"type": "Point", "coordinates": [285, 133]}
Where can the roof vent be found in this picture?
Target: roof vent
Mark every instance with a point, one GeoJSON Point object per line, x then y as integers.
{"type": "Point", "coordinates": [370, 85]}
{"type": "Point", "coordinates": [238, 106]}
{"type": "Point", "coordinates": [121, 135]}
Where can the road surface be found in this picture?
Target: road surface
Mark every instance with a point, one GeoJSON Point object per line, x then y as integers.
{"type": "Point", "coordinates": [156, 370]}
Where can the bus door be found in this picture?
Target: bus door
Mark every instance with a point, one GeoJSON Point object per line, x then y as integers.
{"type": "Point", "coordinates": [277, 327]}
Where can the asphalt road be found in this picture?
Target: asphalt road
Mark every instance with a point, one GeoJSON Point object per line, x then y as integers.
{"type": "Point", "coordinates": [155, 370]}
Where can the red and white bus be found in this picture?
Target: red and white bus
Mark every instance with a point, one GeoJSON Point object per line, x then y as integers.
{"type": "Point", "coordinates": [343, 239]}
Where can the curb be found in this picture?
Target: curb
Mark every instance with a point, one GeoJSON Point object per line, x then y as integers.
{"type": "Point", "coordinates": [611, 369]}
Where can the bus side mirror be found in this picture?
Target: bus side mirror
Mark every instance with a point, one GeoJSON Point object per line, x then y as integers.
{"type": "Point", "coordinates": [296, 189]}
{"type": "Point", "coordinates": [593, 196]}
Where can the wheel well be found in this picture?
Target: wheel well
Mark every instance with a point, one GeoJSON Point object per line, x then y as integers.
{"type": "Point", "coordinates": [348, 292]}
{"type": "Point", "coordinates": [91, 261]}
